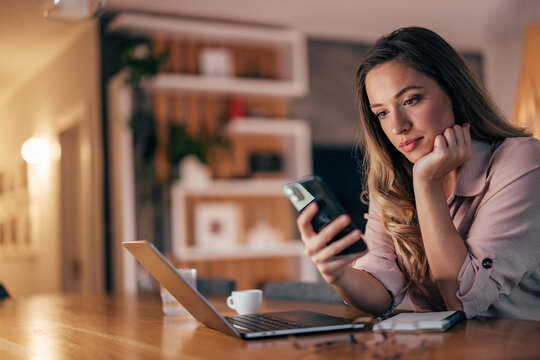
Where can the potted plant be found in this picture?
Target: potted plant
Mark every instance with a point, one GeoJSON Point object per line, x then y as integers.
{"type": "Point", "coordinates": [141, 62]}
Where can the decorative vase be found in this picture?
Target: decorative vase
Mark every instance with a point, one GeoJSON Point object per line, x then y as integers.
{"type": "Point", "coordinates": [193, 173]}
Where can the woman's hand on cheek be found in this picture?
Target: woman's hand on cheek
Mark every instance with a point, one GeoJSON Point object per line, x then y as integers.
{"type": "Point", "coordinates": [450, 150]}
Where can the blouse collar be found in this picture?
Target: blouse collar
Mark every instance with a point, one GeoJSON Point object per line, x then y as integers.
{"type": "Point", "coordinates": [472, 176]}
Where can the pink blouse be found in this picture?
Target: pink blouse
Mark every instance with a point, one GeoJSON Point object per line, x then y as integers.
{"type": "Point", "coordinates": [496, 210]}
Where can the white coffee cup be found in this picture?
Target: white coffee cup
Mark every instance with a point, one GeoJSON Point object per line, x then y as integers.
{"type": "Point", "coordinates": [245, 301]}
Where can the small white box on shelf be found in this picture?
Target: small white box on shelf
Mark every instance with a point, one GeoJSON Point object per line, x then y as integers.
{"type": "Point", "coordinates": [216, 62]}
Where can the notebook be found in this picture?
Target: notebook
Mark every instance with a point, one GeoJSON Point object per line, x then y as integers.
{"type": "Point", "coordinates": [253, 326]}
{"type": "Point", "coordinates": [427, 321]}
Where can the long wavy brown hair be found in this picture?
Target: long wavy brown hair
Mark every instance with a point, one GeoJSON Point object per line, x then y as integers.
{"type": "Point", "coordinates": [389, 173]}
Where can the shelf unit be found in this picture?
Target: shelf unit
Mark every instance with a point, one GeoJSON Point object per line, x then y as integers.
{"type": "Point", "coordinates": [286, 256]}
{"type": "Point", "coordinates": [183, 196]}
{"type": "Point", "coordinates": [299, 164]}
{"type": "Point", "coordinates": [290, 43]}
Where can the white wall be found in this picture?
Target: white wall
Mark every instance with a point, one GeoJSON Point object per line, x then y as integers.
{"type": "Point", "coordinates": [503, 50]}
{"type": "Point", "coordinates": [502, 63]}
{"type": "Point", "coordinates": [65, 91]}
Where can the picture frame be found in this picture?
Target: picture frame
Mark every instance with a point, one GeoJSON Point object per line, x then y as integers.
{"type": "Point", "coordinates": [2, 234]}
{"type": "Point", "coordinates": [16, 237]}
{"type": "Point", "coordinates": [2, 181]}
{"type": "Point", "coordinates": [217, 224]}
{"type": "Point", "coordinates": [13, 231]}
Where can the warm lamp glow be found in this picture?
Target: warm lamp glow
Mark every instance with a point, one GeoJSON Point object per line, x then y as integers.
{"type": "Point", "coordinates": [35, 151]}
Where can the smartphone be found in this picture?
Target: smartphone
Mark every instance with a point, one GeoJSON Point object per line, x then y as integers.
{"type": "Point", "coordinates": [303, 192]}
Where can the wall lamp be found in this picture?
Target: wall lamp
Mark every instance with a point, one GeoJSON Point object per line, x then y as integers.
{"type": "Point", "coordinates": [35, 151]}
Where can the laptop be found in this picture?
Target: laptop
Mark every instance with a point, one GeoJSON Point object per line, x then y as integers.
{"type": "Point", "coordinates": [253, 326]}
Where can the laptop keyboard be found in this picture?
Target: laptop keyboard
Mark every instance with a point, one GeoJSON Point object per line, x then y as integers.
{"type": "Point", "coordinates": [262, 322]}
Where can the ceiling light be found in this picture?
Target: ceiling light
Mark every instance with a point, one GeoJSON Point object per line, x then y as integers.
{"type": "Point", "coordinates": [72, 10]}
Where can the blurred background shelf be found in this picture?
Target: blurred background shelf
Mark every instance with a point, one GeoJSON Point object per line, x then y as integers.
{"type": "Point", "coordinates": [285, 47]}
{"type": "Point", "coordinates": [237, 187]}
{"type": "Point", "coordinates": [251, 266]}
{"type": "Point", "coordinates": [220, 85]}
{"type": "Point", "coordinates": [213, 223]}
{"type": "Point", "coordinates": [241, 251]}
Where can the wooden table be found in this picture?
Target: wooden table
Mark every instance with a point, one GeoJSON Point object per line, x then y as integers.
{"type": "Point", "coordinates": [133, 327]}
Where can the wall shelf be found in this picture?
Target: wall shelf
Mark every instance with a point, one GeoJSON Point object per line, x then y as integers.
{"type": "Point", "coordinates": [197, 253]}
{"type": "Point", "coordinates": [291, 45]}
{"type": "Point", "coordinates": [220, 85]}
{"type": "Point", "coordinates": [298, 163]}
{"type": "Point", "coordinates": [244, 187]}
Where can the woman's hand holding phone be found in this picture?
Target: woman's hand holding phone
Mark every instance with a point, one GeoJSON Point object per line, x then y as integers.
{"type": "Point", "coordinates": [320, 248]}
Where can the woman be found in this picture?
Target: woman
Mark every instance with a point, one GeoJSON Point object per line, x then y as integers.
{"type": "Point", "coordinates": [454, 200]}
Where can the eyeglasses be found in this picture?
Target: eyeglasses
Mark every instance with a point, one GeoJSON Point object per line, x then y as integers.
{"type": "Point", "coordinates": [377, 342]}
